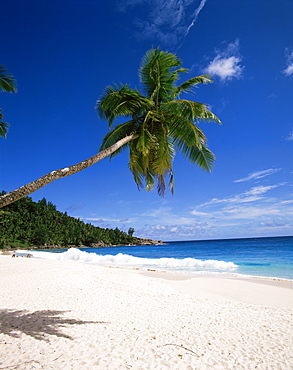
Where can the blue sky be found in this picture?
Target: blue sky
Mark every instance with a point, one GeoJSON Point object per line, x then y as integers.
{"type": "Point", "coordinates": [64, 53]}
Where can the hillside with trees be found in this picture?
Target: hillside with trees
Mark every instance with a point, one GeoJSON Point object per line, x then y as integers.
{"type": "Point", "coordinates": [29, 224]}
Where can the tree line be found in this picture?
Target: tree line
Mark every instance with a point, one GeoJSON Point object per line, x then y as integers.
{"type": "Point", "coordinates": [28, 224]}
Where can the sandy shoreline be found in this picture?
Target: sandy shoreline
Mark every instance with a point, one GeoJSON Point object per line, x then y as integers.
{"type": "Point", "coordinates": [67, 315]}
{"type": "Point", "coordinates": [261, 291]}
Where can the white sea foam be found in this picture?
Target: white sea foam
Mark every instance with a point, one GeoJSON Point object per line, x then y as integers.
{"type": "Point", "coordinates": [126, 260]}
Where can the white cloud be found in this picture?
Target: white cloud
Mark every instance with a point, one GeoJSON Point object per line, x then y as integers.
{"type": "Point", "coordinates": [197, 213]}
{"type": "Point", "coordinates": [287, 202]}
{"type": "Point", "coordinates": [195, 15]}
{"type": "Point", "coordinates": [259, 174]}
{"type": "Point", "coordinates": [290, 136]}
{"type": "Point", "coordinates": [166, 216]}
{"type": "Point", "coordinates": [102, 220]}
{"type": "Point", "coordinates": [168, 21]}
{"type": "Point", "coordinates": [250, 212]}
{"type": "Point", "coordinates": [173, 232]}
{"type": "Point", "coordinates": [158, 212]}
{"type": "Point", "coordinates": [253, 195]}
{"type": "Point", "coordinates": [252, 204]}
{"type": "Point", "coordinates": [258, 210]}
{"type": "Point", "coordinates": [272, 224]}
{"type": "Point", "coordinates": [225, 68]}
{"type": "Point", "coordinates": [288, 71]}
{"type": "Point", "coordinates": [226, 64]}
{"type": "Point", "coordinates": [260, 189]}
{"type": "Point", "coordinates": [159, 227]}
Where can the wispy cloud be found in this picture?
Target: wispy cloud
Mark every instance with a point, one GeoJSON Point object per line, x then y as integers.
{"type": "Point", "coordinates": [158, 212]}
{"type": "Point", "coordinates": [100, 220]}
{"type": "Point", "coordinates": [168, 21]}
{"type": "Point", "coordinates": [251, 207]}
{"type": "Point", "coordinates": [195, 15]}
{"type": "Point", "coordinates": [166, 216]}
{"type": "Point", "coordinates": [288, 71]}
{"type": "Point", "coordinates": [226, 65]}
{"type": "Point", "coordinates": [251, 211]}
{"type": "Point", "coordinates": [252, 195]}
{"type": "Point", "coordinates": [261, 210]}
{"type": "Point", "coordinates": [173, 232]}
{"type": "Point", "coordinates": [74, 207]}
{"type": "Point", "coordinates": [290, 136]}
{"type": "Point", "coordinates": [271, 224]}
{"type": "Point", "coordinates": [259, 174]}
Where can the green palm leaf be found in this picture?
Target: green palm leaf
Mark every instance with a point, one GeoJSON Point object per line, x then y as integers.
{"type": "Point", "coordinates": [157, 74]}
{"type": "Point", "coordinates": [120, 101]}
{"type": "Point", "coordinates": [120, 131]}
{"type": "Point", "coordinates": [189, 84]}
{"type": "Point", "coordinates": [3, 126]}
{"type": "Point", "coordinates": [203, 157]}
{"type": "Point", "coordinates": [183, 132]}
{"type": "Point", "coordinates": [190, 110]}
{"type": "Point", "coordinates": [160, 120]}
{"type": "Point", "coordinates": [7, 82]}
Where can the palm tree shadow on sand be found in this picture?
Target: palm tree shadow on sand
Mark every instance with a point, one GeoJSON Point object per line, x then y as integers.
{"type": "Point", "coordinates": [37, 324]}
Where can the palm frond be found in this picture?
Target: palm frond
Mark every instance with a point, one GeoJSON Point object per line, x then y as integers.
{"type": "Point", "coordinates": [118, 132]}
{"type": "Point", "coordinates": [3, 129]}
{"type": "Point", "coordinates": [183, 130]}
{"type": "Point", "coordinates": [136, 165]}
{"type": "Point", "coordinates": [121, 101]}
{"type": "Point", "coordinates": [3, 126]}
{"type": "Point", "coordinates": [208, 116]}
{"type": "Point", "coordinates": [7, 82]}
{"type": "Point", "coordinates": [157, 73]}
{"type": "Point", "coordinates": [182, 70]}
{"type": "Point", "coordinates": [190, 110]}
{"type": "Point", "coordinates": [163, 153]}
{"type": "Point", "coordinates": [171, 182]}
{"type": "Point", "coordinates": [189, 84]}
{"type": "Point", "coordinates": [161, 187]}
{"type": "Point", "coordinates": [202, 157]}
{"type": "Point", "coordinates": [144, 142]}
{"type": "Point", "coordinates": [150, 180]}
{"type": "Point", "coordinates": [160, 121]}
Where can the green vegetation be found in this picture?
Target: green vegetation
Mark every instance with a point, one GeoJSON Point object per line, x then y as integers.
{"type": "Point", "coordinates": [27, 224]}
{"type": "Point", "coordinates": [163, 122]}
{"type": "Point", "coordinates": [7, 83]}
{"type": "Point", "coordinates": [158, 123]}
{"type": "Point", "coordinates": [130, 231]}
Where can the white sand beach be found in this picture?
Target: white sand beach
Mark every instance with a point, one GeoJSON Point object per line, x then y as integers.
{"type": "Point", "coordinates": [68, 315]}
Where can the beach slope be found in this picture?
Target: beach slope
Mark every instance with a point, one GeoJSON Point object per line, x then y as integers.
{"type": "Point", "coordinates": [68, 315]}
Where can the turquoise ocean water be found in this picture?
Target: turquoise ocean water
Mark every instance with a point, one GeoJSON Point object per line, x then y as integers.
{"type": "Point", "coordinates": [266, 257]}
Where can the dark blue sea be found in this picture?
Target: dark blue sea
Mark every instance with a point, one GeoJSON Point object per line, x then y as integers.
{"type": "Point", "coordinates": [266, 257]}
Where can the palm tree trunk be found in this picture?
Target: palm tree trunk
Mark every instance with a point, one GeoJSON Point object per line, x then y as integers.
{"type": "Point", "coordinates": [54, 175]}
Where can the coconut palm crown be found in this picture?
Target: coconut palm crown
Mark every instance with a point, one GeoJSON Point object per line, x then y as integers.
{"type": "Point", "coordinates": [158, 122]}
{"type": "Point", "coordinates": [162, 122]}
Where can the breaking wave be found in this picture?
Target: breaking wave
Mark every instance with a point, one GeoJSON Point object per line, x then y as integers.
{"type": "Point", "coordinates": [126, 260]}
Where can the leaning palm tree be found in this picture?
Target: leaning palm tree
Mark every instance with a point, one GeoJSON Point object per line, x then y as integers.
{"type": "Point", "coordinates": [7, 83]}
{"type": "Point", "coordinates": [158, 122]}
